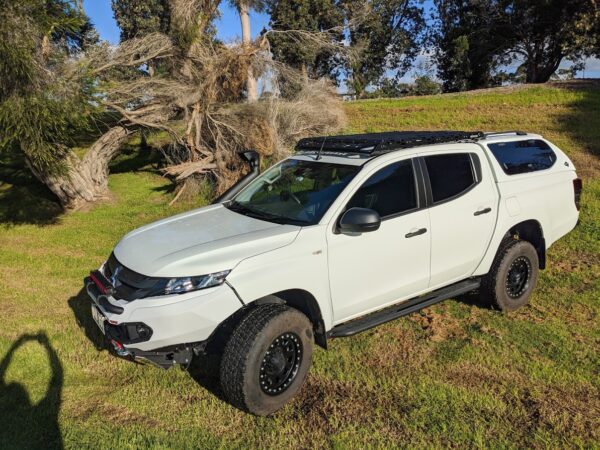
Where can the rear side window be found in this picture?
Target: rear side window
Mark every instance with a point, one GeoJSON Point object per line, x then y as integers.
{"type": "Point", "coordinates": [523, 156]}
{"type": "Point", "coordinates": [389, 191]}
{"type": "Point", "coordinates": [450, 175]}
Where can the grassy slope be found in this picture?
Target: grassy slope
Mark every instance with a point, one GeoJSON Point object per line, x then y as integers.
{"type": "Point", "coordinates": [457, 374]}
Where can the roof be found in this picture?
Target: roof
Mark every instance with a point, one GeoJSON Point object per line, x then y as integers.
{"type": "Point", "coordinates": [373, 144]}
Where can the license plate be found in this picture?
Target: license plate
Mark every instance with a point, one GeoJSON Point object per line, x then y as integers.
{"type": "Point", "coordinates": [98, 318]}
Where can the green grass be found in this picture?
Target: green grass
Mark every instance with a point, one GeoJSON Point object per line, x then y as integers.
{"type": "Point", "coordinates": [457, 374]}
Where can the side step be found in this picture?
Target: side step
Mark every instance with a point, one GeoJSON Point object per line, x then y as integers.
{"type": "Point", "coordinates": [390, 313]}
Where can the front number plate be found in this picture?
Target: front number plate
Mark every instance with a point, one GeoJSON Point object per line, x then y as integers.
{"type": "Point", "coordinates": [98, 318]}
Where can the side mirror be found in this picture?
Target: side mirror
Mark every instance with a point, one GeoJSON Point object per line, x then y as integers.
{"type": "Point", "coordinates": [252, 158]}
{"type": "Point", "coordinates": [359, 220]}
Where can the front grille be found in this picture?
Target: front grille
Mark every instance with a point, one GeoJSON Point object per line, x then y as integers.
{"type": "Point", "coordinates": [130, 285]}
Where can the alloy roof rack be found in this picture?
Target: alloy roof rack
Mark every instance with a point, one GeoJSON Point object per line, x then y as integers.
{"type": "Point", "coordinates": [378, 143]}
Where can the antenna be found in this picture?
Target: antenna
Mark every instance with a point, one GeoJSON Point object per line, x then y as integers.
{"type": "Point", "coordinates": [321, 149]}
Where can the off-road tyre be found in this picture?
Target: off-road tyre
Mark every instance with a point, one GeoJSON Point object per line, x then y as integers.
{"type": "Point", "coordinates": [284, 332]}
{"type": "Point", "coordinates": [502, 287]}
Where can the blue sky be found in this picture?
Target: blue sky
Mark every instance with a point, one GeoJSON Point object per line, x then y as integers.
{"type": "Point", "coordinates": [228, 26]}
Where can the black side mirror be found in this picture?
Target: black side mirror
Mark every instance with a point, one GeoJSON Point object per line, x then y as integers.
{"type": "Point", "coordinates": [359, 220]}
{"type": "Point", "coordinates": [252, 157]}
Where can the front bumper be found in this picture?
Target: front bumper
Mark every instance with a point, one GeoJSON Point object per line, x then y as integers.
{"type": "Point", "coordinates": [174, 320]}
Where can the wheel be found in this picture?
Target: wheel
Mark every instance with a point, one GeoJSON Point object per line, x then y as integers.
{"type": "Point", "coordinates": [267, 358]}
{"type": "Point", "coordinates": [513, 276]}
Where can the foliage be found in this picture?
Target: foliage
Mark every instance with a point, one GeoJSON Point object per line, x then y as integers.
{"type": "Point", "coordinates": [318, 16]}
{"type": "Point", "coordinates": [425, 85]}
{"type": "Point", "coordinates": [385, 36]}
{"type": "Point", "coordinates": [247, 5]}
{"type": "Point", "coordinates": [137, 18]}
{"type": "Point", "coordinates": [470, 37]}
{"type": "Point", "coordinates": [544, 32]}
{"type": "Point", "coordinates": [392, 88]}
{"type": "Point", "coordinates": [473, 38]}
{"type": "Point", "coordinates": [44, 99]}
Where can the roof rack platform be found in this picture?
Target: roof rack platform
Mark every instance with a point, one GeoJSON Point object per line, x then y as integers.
{"type": "Point", "coordinates": [377, 143]}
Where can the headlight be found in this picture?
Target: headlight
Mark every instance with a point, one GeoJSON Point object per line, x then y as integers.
{"type": "Point", "coordinates": [187, 284]}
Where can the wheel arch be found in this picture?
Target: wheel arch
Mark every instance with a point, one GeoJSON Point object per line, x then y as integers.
{"type": "Point", "coordinates": [304, 302]}
{"type": "Point", "coordinates": [532, 232]}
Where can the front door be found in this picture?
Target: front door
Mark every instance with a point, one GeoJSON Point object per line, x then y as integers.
{"type": "Point", "coordinates": [368, 271]}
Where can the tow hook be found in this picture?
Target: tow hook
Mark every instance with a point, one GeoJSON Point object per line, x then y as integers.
{"type": "Point", "coordinates": [119, 349]}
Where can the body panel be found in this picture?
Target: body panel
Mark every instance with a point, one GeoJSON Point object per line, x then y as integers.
{"type": "Point", "coordinates": [199, 242]}
{"type": "Point", "coordinates": [177, 319]}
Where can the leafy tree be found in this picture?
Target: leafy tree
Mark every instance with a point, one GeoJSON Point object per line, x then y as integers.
{"type": "Point", "coordinates": [547, 31]}
{"type": "Point", "coordinates": [425, 85]}
{"type": "Point", "coordinates": [47, 99]}
{"type": "Point", "coordinates": [136, 18]}
{"type": "Point", "coordinates": [385, 35]}
{"type": "Point", "coordinates": [315, 16]}
{"type": "Point", "coordinates": [470, 39]}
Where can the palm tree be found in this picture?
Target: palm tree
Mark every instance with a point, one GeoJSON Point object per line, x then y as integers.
{"type": "Point", "coordinates": [243, 7]}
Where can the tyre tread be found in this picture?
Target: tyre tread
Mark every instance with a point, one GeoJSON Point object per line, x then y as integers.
{"type": "Point", "coordinates": [237, 349]}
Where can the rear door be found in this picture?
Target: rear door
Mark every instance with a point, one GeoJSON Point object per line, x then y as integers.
{"type": "Point", "coordinates": [463, 208]}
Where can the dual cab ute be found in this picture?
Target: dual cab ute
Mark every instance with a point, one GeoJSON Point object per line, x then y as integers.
{"type": "Point", "coordinates": [348, 233]}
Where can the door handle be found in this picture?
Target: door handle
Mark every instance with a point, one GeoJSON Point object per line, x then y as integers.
{"type": "Point", "coordinates": [482, 211]}
{"type": "Point", "coordinates": [416, 233]}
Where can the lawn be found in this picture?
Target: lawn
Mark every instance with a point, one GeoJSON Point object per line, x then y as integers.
{"type": "Point", "coordinates": [457, 374]}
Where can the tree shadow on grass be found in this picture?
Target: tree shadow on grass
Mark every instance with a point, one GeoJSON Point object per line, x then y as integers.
{"type": "Point", "coordinates": [133, 158]}
{"type": "Point", "coordinates": [581, 123]}
{"type": "Point", "coordinates": [24, 424]}
{"type": "Point", "coordinates": [23, 199]}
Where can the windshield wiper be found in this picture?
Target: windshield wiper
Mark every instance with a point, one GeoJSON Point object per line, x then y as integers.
{"type": "Point", "coordinates": [263, 215]}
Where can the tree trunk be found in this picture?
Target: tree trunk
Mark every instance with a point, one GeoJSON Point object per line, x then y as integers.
{"type": "Point", "coordinates": [86, 180]}
{"type": "Point", "coordinates": [244, 10]}
{"type": "Point", "coordinates": [304, 71]}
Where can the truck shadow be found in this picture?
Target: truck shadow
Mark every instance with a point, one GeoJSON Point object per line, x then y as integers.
{"type": "Point", "coordinates": [25, 424]}
{"type": "Point", "coordinates": [205, 367]}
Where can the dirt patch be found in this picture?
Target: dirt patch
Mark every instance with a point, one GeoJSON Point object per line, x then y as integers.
{"type": "Point", "coordinates": [587, 164]}
{"type": "Point", "coordinates": [326, 407]}
{"type": "Point", "coordinates": [114, 414]}
{"type": "Point", "coordinates": [440, 326]}
{"type": "Point", "coordinates": [573, 414]}
{"type": "Point", "coordinates": [577, 261]}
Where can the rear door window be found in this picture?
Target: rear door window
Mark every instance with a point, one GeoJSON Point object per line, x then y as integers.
{"type": "Point", "coordinates": [523, 156]}
{"type": "Point", "coordinates": [450, 175]}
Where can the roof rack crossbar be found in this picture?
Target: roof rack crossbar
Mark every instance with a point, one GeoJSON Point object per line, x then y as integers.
{"type": "Point", "coordinates": [500, 133]}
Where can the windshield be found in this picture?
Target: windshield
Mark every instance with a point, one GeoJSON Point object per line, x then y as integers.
{"type": "Point", "coordinates": [294, 192]}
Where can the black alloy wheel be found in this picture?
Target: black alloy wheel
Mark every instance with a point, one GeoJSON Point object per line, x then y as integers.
{"type": "Point", "coordinates": [517, 278]}
{"type": "Point", "coordinates": [280, 364]}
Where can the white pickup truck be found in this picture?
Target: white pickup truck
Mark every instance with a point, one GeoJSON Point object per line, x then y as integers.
{"type": "Point", "coordinates": [348, 233]}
